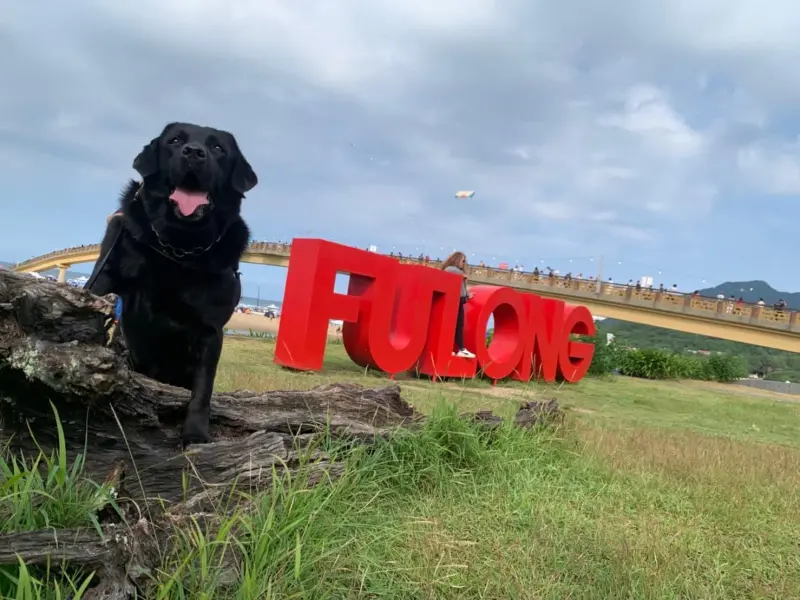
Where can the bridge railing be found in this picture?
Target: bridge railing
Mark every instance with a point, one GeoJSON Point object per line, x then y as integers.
{"type": "Point", "coordinates": [668, 300]}
{"type": "Point", "coordinates": [270, 247]}
{"type": "Point", "coordinates": [589, 288]}
{"type": "Point", "coordinates": [67, 253]}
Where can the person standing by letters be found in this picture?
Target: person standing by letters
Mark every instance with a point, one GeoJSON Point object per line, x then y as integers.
{"type": "Point", "coordinates": [456, 263]}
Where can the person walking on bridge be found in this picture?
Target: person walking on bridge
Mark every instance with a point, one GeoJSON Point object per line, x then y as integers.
{"type": "Point", "coordinates": [457, 263]}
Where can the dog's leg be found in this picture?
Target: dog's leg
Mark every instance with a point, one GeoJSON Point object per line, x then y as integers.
{"type": "Point", "coordinates": [195, 427]}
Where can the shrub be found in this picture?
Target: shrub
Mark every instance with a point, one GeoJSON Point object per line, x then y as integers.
{"type": "Point", "coordinates": [689, 367]}
{"type": "Point", "coordinates": [725, 367]}
{"type": "Point", "coordinates": [696, 368]}
{"type": "Point", "coordinates": [650, 363]}
{"type": "Point", "coordinates": [783, 375]}
{"type": "Point", "coordinates": [607, 356]}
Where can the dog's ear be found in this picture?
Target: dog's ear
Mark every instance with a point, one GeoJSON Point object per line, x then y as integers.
{"type": "Point", "coordinates": [146, 163]}
{"type": "Point", "coordinates": [243, 178]}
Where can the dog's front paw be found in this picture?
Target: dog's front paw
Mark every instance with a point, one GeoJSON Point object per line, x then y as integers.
{"type": "Point", "coordinates": [195, 431]}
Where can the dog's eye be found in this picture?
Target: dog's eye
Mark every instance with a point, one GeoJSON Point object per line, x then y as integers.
{"type": "Point", "coordinates": [219, 148]}
{"type": "Point", "coordinates": [175, 140]}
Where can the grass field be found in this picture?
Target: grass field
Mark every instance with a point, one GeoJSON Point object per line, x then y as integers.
{"type": "Point", "coordinates": [650, 490]}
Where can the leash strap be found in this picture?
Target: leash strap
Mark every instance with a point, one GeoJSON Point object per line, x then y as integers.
{"type": "Point", "coordinates": [98, 266]}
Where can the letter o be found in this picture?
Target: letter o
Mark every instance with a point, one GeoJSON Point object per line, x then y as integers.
{"type": "Point", "coordinates": [504, 354]}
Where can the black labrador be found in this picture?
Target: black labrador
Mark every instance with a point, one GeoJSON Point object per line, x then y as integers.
{"type": "Point", "coordinates": [172, 255]}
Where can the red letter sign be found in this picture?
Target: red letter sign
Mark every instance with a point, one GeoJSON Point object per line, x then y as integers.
{"type": "Point", "coordinates": [309, 301]}
{"type": "Point", "coordinates": [509, 351]}
{"type": "Point", "coordinates": [438, 359]}
{"type": "Point", "coordinates": [575, 359]}
{"type": "Point", "coordinates": [393, 323]}
{"type": "Point", "coordinates": [400, 317]}
{"type": "Point", "coordinates": [531, 335]}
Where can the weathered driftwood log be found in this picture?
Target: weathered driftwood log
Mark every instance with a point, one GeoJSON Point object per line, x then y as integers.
{"type": "Point", "coordinates": [120, 561]}
{"type": "Point", "coordinates": [53, 350]}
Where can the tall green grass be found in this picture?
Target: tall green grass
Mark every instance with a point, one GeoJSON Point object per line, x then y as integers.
{"type": "Point", "coordinates": [293, 540]}
{"type": "Point", "coordinates": [322, 541]}
{"type": "Point", "coordinates": [663, 364]}
{"type": "Point", "coordinates": [48, 492]}
{"type": "Point", "coordinates": [454, 510]}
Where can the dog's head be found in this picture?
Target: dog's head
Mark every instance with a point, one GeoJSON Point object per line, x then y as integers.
{"type": "Point", "coordinates": [192, 171]}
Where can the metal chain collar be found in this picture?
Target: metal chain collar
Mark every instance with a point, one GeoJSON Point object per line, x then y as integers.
{"type": "Point", "coordinates": [180, 252]}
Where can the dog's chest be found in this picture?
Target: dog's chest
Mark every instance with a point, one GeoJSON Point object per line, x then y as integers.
{"type": "Point", "coordinates": [181, 295]}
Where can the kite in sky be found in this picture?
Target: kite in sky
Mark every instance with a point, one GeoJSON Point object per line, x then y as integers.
{"type": "Point", "coordinates": [466, 194]}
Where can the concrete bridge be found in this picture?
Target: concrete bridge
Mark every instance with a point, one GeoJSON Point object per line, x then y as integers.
{"type": "Point", "coordinates": [748, 323]}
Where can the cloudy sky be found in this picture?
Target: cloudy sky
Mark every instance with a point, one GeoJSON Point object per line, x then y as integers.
{"type": "Point", "coordinates": [663, 139]}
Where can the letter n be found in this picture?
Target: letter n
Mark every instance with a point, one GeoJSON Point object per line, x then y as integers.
{"type": "Point", "coordinates": [545, 323]}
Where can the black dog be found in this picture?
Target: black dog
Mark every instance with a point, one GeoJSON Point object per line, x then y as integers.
{"type": "Point", "coordinates": [172, 254]}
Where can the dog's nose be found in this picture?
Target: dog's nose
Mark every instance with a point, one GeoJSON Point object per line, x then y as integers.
{"type": "Point", "coordinates": [194, 151]}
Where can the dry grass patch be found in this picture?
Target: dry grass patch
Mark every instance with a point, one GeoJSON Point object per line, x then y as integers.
{"type": "Point", "coordinates": [685, 455]}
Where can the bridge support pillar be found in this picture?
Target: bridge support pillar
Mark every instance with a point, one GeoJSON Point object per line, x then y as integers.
{"type": "Point", "coordinates": [62, 273]}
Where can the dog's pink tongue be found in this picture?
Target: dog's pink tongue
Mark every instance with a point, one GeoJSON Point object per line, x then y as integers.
{"type": "Point", "coordinates": [187, 201]}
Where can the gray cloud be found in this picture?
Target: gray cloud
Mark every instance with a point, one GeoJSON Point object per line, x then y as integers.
{"type": "Point", "coordinates": [586, 128]}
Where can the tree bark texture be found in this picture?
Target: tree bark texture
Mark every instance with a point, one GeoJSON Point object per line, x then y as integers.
{"type": "Point", "coordinates": [53, 349]}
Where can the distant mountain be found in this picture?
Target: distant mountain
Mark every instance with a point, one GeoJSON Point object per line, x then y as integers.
{"type": "Point", "coordinates": [753, 291]}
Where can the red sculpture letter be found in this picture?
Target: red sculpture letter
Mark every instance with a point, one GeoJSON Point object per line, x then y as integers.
{"type": "Point", "coordinates": [444, 291]}
{"type": "Point", "coordinates": [575, 359]}
{"type": "Point", "coordinates": [393, 323]}
{"type": "Point", "coordinates": [510, 343]}
{"type": "Point", "coordinates": [309, 301]}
